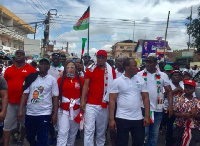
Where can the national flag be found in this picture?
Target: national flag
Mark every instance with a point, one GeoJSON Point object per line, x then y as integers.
{"type": "Point", "coordinates": [83, 22]}
{"type": "Point", "coordinates": [54, 42]}
{"type": "Point", "coordinates": [83, 45]}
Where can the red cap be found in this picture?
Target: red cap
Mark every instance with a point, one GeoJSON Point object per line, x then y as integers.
{"type": "Point", "coordinates": [189, 82]}
{"type": "Point", "coordinates": [102, 52]}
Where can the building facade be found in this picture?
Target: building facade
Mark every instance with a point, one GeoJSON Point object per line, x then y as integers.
{"type": "Point", "coordinates": [13, 31]}
{"type": "Point", "coordinates": [124, 48]}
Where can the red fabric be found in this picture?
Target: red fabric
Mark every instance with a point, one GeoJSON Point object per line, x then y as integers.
{"type": "Point", "coordinates": [190, 82]}
{"type": "Point", "coordinates": [71, 88]}
{"type": "Point", "coordinates": [78, 118]}
{"type": "Point", "coordinates": [15, 78]}
{"type": "Point", "coordinates": [187, 134]}
{"type": "Point", "coordinates": [96, 86]}
{"type": "Point", "coordinates": [84, 16]}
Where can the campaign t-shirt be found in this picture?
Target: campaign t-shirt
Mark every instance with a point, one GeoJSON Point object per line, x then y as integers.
{"type": "Point", "coordinates": [40, 95]}
{"type": "Point", "coordinates": [152, 87]}
{"type": "Point", "coordinates": [96, 85]}
{"type": "Point", "coordinates": [71, 87]}
{"type": "Point", "coordinates": [15, 78]}
{"type": "Point", "coordinates": [129, 96]}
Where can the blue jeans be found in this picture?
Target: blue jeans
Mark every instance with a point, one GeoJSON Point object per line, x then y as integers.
{"type": "Point", "coordinates": [37, 125]}
{"type": "Point", "coordinates": [153, 129]}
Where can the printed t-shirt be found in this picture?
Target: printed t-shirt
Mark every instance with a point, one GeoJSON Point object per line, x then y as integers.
{"type": "Point", "coordinates": [40, 95]}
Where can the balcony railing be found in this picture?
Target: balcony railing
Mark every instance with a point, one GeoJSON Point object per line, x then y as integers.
{"type": "Point", "coordinates": [12, 33]}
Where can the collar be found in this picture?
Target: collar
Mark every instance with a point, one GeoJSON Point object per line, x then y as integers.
{"type": "Point", "coordinates": [44, 76]}
{"type": "Point", "coordinates": [21, 67]}
{"type": "Point", "coordinates": [124, 77]}
{"type": "Point", "coordinates": [59, 66]}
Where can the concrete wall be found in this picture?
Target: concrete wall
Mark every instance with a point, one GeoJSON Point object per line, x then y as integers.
{"type": "Point", "coordinates": [32, 47]}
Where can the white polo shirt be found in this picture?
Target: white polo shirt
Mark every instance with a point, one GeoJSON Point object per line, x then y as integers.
{"type": "Point", "coordinates": [129, 96]}
{"type": "Point", "coordinates": [118, 74]}
{"type": "Point", "coordinates": [56, 72]}
{"type": "Point", "coordinates": [44, 88]}
{"type": "Point", "coordinates": [152, 87]}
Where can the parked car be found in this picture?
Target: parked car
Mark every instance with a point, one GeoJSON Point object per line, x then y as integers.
{"type": "Point", "coordinates": [196, 78]}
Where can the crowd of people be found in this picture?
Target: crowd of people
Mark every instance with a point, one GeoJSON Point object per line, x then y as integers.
{"type": "Point", "coordinates": [54, 99]}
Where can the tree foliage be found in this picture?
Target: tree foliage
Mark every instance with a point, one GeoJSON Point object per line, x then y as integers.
{"type": "Point", "coordinates": [193, 29]}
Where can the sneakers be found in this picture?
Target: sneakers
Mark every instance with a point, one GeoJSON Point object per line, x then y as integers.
{"type": "Point", "coordinates": [20, 143]}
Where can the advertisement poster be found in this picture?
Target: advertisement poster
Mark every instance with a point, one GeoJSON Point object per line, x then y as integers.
{"type": "Point", "coordinates": [150, 47]}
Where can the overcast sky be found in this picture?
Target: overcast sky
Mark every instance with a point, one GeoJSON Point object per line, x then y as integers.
{"type": "Point", "coordinates": [111, 21]}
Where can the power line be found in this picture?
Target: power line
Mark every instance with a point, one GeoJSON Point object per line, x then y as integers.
{"type": "Point", "coordinates": [34, 8]}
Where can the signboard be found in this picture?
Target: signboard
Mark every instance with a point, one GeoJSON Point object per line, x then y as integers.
{"type": "Point", "coordinates": [187, 54]}
{"type": "Point", "coordinates": [150, 46]}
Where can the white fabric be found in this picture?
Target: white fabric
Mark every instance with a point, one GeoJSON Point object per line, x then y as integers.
{"type": "Point", "coordinates": [43, 104]}
{"type": "Point", "coordinates": [67, 130]}
{"type": "Point", "coordinates": [194, 72]}
{"type": "Point", "coordinates": [152, 87]}
{"type": "Point", "coordinates": [72, 113]}
{"type": "Point", "coordinates": [110, 80]}
{"type": "Point", "coordinates": [189, 71]}
{"type": "Point", "coordinates": [118, 74]}
{"type": "Point", "coordinates": [95, 114]}
{"type": "Point", "coordinates": [173, 87]}
{"type": "Point", "coordinates": [56, 72]}
{"type": "Point", "coordinates": [129, 96]}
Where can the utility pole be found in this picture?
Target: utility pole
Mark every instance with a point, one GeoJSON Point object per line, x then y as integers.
{"type": "Point", "coordinates": [133, 37]}
{"type": "Point", "coordinates": [46, 31]}
{"type": "Point", "coordinates": [166, 34]}
{"type": "Point", "coordinates": [189, 32]}
{"type": "Point", "coordinates": [35, 30]}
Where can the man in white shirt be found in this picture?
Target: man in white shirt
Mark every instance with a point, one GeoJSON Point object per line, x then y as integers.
{"type": "Point", "coordinates": [128, 90]}
{"type": "Point", "coordinates": [41, 90]}
{"type": "Point", "coordinates": [56, 67]}
{"type": "Point", "coordinates": [156, 81]}
{"type": "Point", "coordinates": [120, 68]}
{"type": "Point", "coordinates": [56, 70]}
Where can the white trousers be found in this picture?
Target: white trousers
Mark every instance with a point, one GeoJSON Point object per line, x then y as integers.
{"type": "Point", "coordinates": [67, 130]}
{"type": "Point", "coordinates": [95, 114]}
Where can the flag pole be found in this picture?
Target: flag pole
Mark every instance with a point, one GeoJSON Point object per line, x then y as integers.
{"type": "Point", "coordinates": [88, 33]}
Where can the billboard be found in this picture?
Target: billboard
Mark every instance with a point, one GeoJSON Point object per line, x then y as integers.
{"type": "Point", "coordinates": [150, 46]}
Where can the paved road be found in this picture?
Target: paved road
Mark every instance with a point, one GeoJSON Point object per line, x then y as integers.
{"type": "Point", "coordinates": [79, 142]}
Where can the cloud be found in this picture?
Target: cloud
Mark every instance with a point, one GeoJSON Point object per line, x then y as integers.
{"type": "Point", "coordinates": [111, 21]}
{"type": "Point", "coordinates": [157, 2]}
{"type": "Point", "coordinates": [187, 10]}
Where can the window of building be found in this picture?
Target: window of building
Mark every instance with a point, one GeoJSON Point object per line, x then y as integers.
{"type": "Point", "coordinates": [15, 46]}
{"type": "Point", "coordinates": [4, 43]}
{"type": "Point", "coordinates": [121, 47]}
{"type": "Point", "coordinates": [130, 54]}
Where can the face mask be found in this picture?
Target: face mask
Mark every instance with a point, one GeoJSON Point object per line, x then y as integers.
{"type": "Point", "coordinates": [70, 75]}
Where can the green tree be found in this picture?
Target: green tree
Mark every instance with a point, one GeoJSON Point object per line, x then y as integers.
{"type": "Point", "coordinates": [193, 29]}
